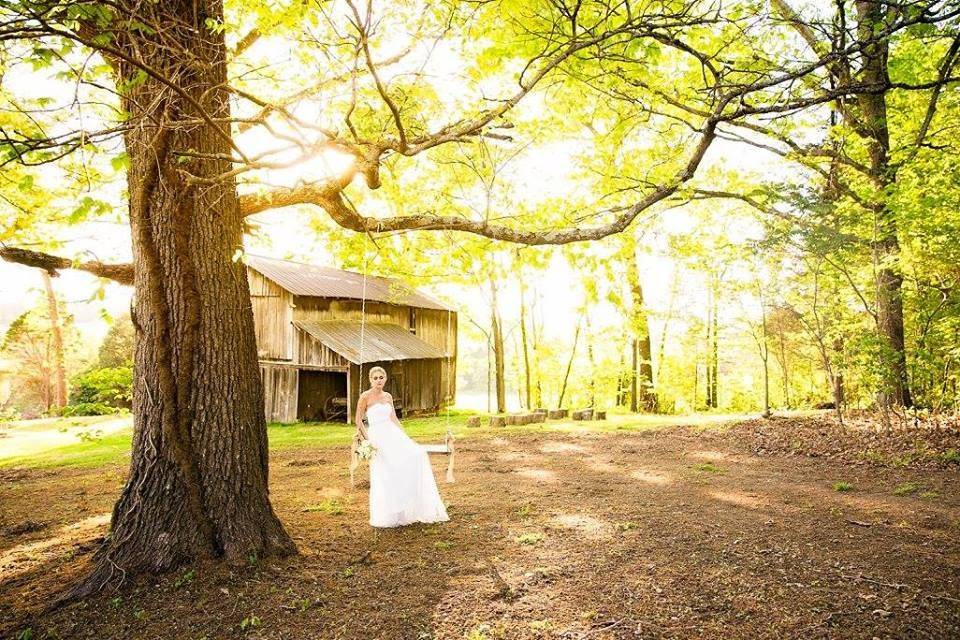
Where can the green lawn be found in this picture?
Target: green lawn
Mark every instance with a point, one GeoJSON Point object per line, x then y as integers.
{"type": "Point", "coordinates": [114, 448]}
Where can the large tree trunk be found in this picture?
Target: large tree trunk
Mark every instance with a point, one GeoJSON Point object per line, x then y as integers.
{"type": "Point", "coordinates": [59, 368]}
{"type": "Point", "coordinates": [198, 476]}
{"type": "Point", "coordinates": [886, 247]}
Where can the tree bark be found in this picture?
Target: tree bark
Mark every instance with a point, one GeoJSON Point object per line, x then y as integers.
{"type": "Point", "coordinates": [839, 394]}
{"type": "Point", "coordinates": [523, 339]}
{"type": "Point", "coordinates": [536, 331]}
{"type": "Point", "coordinates": [784, 370]}
{"type": "Point", "coordinates": [593, 364]}
{"type": "Point", "coordinates": [712, 346]}
{"type": "Point", "coordinates": [765, 355]}
{"type": "Point", "coordinates": [566, 376]}
{"type": "Point", "coordinates": [197, 486]}
{"type": "Point", "coordinates": [715, 346]}
{"type": "Point", "coordinates": [56, 331]}
{"type": "Point", "coordinates": [496, 331]}
{"type": "Point", "coordinates": [886, 247]}
{"type": "Point", "coordinates": [642, 390]}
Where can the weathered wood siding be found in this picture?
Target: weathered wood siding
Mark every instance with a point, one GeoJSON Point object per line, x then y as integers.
{"type": "Point", "coordinates": [437, 328]}
{"type": "Point", "coordinates": [417, 384]}
{"type": "Point", "coordinates": [312, 351]}
{"type": "Point", "coordinates": [321, 309]}
{"type": "Point", "coordinates": [280, 392]}
{"type": "Point", "coordinates": [272, 318]}
{"type": "Point", "coordinates": [434, 326]}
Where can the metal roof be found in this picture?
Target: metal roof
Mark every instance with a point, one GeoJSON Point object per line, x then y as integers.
{"type": "Point", "coordinates": [381, 342]}
{"type": "Point", "coordinates": [326, 282]}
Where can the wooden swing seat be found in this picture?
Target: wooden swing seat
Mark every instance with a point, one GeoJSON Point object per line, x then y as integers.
{"type": "Point", "coordinates": [447, 448]}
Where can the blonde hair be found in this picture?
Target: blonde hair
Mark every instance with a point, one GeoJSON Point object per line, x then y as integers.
{"type": "Point", "coordinates": [374, 370]}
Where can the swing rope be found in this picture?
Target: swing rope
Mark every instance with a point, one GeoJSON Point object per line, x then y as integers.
{"type": "Point", "coordinates": [355, 443]}
{"type": "Point", "coordinates": [448, 446]}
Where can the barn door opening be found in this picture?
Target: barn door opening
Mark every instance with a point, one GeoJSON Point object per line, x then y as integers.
{"type": "Point", "coordinates": [322, 396]}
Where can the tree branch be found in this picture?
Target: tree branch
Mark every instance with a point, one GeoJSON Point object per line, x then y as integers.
{"type": "Point", "coordinates": [330, 198]}
{"type": "Point", "coordinates": [122, 273]}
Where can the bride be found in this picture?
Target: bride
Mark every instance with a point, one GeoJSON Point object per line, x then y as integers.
{"type": "Point", "coordinates": [402, 488]}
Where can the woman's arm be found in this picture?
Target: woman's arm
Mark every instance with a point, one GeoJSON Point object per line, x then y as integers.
{"type": "Point", "coordinates": [360, 413]}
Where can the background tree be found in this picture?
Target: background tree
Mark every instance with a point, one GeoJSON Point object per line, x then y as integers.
{"type": "Point", "coordinates": [117, 347]}
{"type": "Point", "coordinates": [39, 361]}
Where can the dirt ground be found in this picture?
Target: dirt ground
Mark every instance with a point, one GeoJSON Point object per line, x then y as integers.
{"type": "Point", "coordinates": [665, 534]}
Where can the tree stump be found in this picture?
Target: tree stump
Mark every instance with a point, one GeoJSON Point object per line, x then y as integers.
{"type": "Point", "coordinates": [557, 414]}
{"type": "Point", "coordinates": [539, 417]}
{"type": "Point", "coordinates": [600, 415]}
{"type": "Point", "coordinates": [497, 421]}
{"type": "Point", "coordinates": [514, 419]}
{"type": "Point", "coordinates": [473, 421]}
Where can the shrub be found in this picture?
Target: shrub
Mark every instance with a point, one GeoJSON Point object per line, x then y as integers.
{"type": "Point", "coordinates": [110, 386]}
{"type": "Point", "coordinates": [87, 409]}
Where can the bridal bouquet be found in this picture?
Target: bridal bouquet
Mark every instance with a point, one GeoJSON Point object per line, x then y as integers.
{"type": "Point", "coordinates": [365, 450]}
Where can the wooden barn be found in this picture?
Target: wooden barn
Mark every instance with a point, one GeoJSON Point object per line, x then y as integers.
{"type": "Point", "coordinates": [309, 341]}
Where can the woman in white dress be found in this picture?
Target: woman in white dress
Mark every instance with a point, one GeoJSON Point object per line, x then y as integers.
{"type": "Point", "coordinates": [402, 487]}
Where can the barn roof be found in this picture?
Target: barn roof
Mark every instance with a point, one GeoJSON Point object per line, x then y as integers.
{"type": "Point", "coordinates": [381, 342]}
{"type": "Point", "coordinates": [326, 282]}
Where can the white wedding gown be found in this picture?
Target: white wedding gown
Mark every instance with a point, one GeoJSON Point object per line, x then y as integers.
{"type": "Point", "coordinates": [402, 488]}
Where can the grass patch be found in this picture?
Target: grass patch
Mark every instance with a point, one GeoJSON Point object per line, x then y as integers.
{"type": "Point", "coordinates": [708, 467]}
{"type": "Point", "coordinates": [541, 625]}
{"type": "Point", "coordinates": [330, 506]}
{"type": "Point", "coordinates": [842, 486]}
{"type": "Point", "coordinates": [480, 632]}
{"type": "Point", "coordinates": [109, 449]}
{"type": "Point", "coordinates": [888, 460]}
{"type": "Point", "coordinates": [528, 538]}
{"type": "Point", "coordinates": [444, 545]}
{"type": "Point", "coordinates": [906, 489]}
{"type": "Point", "coordinates": [626, 526]}
{"type": "Point", "coordinates": [114, 448]}
{"type": "Point", "coordinates": [950, 456]}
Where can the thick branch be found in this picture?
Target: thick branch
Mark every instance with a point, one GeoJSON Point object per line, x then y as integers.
{"type": "Point", "coordinates": [331, 199]}
{"type": "Point", "coordinates": [122, 273]}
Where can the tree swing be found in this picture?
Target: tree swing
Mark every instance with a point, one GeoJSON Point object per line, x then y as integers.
{"type": "Point", "coordinates": [447, 446]}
